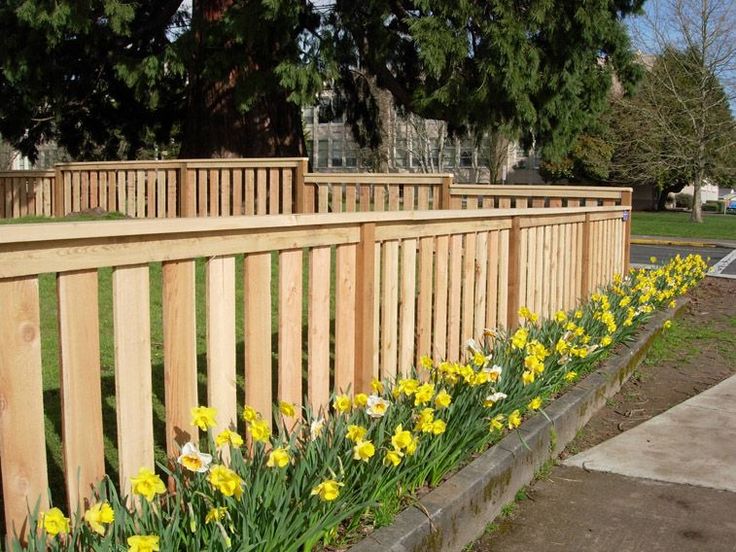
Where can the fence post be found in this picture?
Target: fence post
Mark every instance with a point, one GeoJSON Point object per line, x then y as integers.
{"type": "Point", "coordinates": [514, 260]}
{"type": "Point", "coordinates": [304, 201]}
{"type": "Point", "coordinates": [445, 197]}
{"type": "Point", "coordinates": [187, 193]}
{"type": "Point", "coordinates": [585, 268]}
{"type": "Point", "coordinates": [365, 294]}
{"type": "Point", "coordinates": [57, 205]}
{"type": "Point", "coordinates": [626, 199]}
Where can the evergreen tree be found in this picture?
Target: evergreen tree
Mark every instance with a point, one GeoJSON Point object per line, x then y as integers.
{"type": "Point", "coordinates": [107, 78]}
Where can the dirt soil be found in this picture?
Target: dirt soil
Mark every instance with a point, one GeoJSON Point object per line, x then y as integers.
{"type": "Point", "coordinates": [698, 352]}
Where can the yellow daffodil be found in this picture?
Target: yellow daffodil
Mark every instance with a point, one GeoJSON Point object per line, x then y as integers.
{"type": "Point", "coordinates": [260, 431]}
{"type": "Point", "coordinates": [401, 438]}
{"type": "Point", "coordinates": [204, 417]}
{"type": "Point", "coordinates": [377, 386]}
{"type": "Point", "coordinates": [411, 448]}
{"type": "Point", "coordinates": [423, 394]}
{"type": "Point", "coordinates": [425, 362]}
{"type": "Point", "coordinates": [287, 409]}
{"type": "Point", "coordinates": [250, 414]}
{"type": "Point", "coordinates": [438, 427]}
{"type": "Point", "coordinates": [215, 514]}
{"type": "Point", "coordinates": [518, 340]}
{"type": "Point", "coordinates": [571, 375]}
{"type": "Point", "coordinates": [226, 481]}
{"type": "Point", "coordinates": [98, 515]}
{"type": "Point", "coordinates": [667, 325]}
{"type": "Point", "coordinates": [606, 340]}
{"type": "Point", "coordinates": [535, 403]}
{"type": "Point", "coordinates": [527, 377]}
{"type": "Point", "coordinates": [560, 316]}
{"type": "Point", "coordinates": [393, 457]}
{"type": "Point", "coordinates": [147, 484]}
{"type": "Point", "coordinates": [360, 400]}
{"type": "Point", "coordinates": [143, 543]}
{"type": "Point", "coordinates": [342, 403]}
{"type": "Point", "coordinates": [228, 437]}
{"type": "Point", "coordinates": [328, 490]}
{"type": "Point", "coordinates": [496, 423]}
{"type": "Point", "coordinates": [278, 458]}
{"type": "Point", "coordinates": [54, 522]}
{"type": "Point", "coordinates": [443, 399]}
{"type": "Point", "coordinates": [514, 419]}
{"type": "Point", "coordinates": [355, 433]}
{"type": "Point", "coordinates": [363, 450]}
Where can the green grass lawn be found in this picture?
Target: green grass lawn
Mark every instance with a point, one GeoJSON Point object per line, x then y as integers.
{"type": "Point", "coordinates": [30, 219]}
{"type": "Point", "coordinates": [679, 225]}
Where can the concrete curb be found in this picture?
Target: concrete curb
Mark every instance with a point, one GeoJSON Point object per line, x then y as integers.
{"type": "Point", "coordinates": [665, 241]}
{"type": "Point", "coordinates": [456, 513]}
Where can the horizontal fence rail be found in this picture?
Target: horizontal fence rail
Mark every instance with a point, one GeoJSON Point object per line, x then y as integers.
{"type": "Point", "coordinates": [289, 307]}
{"type": "Point", "coordinates": [232, 187]}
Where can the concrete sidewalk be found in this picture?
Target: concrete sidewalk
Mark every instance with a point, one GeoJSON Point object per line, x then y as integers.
{"type": "Point", "coordinates": [668, 485]}
{"type": "Point", "coordinates": [693, 443]}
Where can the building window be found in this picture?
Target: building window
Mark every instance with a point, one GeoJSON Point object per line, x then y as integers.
{"type": "Point", "coordinates": [351, 156]}
{"type": "Point", "coordinates": [336, 155]}
{"type": "Point", "coordinates": [466, 157]}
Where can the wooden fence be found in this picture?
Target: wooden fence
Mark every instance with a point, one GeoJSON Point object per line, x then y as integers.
{"type": "Point", "coordinates": [395, 285]}
{"type": "Point", "coordinates": [231, 187]}
{"type": "Point", "coordinates": [26, 193]}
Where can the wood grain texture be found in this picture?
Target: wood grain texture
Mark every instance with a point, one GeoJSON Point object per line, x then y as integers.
{"type": "Point", "coordinates": [257, 295]}
{"type": "Point", "coordinates": [407, 306]}
{"type": "Point", "coordinates": [318, 338]}
{"type": "Point", "coordinates": [290, 326]}
{"type": "Point", "coordinates": [221, 338]}
{"type": "Point", "coordinates": [345, 303]}
{"type": "Point", "coordinates": [22, 444]}
{"type": "Point", "coordinates": [81, 396]}
{"type": "Point", "coordinates": [133, 388]}
{"type": "Point", "coordinates": [389, 309]}
{"type": "Point", "coordinates": [180, 353]}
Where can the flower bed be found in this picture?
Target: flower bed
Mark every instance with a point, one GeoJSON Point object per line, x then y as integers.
{"type": "Point", "coordinates": [334, 475]}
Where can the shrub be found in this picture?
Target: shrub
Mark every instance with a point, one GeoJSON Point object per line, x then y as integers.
{"type": "Point", "coordinates": [336, 473]}
{"type": "Point", "coordinates": [684, 201]}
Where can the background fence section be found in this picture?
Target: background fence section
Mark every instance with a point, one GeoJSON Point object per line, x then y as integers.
{"type": "Point", "coordinates": [26, 193]}
{"type": "Point", "coordinates": [348, 192]}
{"type": "Point", "coordinates": [227, 187]}
{"type": "Point", "coordinates": [252, 309]}
{"type": "Point", "coordinates": [166, 189]}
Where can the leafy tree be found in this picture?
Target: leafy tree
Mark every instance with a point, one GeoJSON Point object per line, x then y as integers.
{"type": "Point", "coordinates": [108, 78]}
{"type": "Point", "coordinates": [679, 127]}
{"type": "Point", "coordinates": [677, 130]}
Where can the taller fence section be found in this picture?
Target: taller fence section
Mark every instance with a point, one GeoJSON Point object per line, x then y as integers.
{"type": "Point", "coordinates": [26, 193]}
{"type": "Point", "coordinates": [166, 189]}
{"type": "Point", "coordinates": [368, 293]}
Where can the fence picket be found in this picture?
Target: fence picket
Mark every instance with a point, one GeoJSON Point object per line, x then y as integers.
{"type": "Point", "coordinates": [79, 355]}
{"type": "Point", "coordinates": [221, 360]}
{"type": "Point", "coordinates": [133, 388]}
{"type": "Point", "coordinates": [22, 441]}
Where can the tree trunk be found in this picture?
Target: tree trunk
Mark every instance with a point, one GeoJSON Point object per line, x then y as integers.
{"type": "Point", "coordinates": [696, 215]}
{"type": "Point", "coordinates": [215, 126]}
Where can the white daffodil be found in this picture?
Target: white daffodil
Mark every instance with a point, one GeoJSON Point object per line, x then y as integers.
{"type": "Point", "coordinates": [316, 427]}
{"type": "Point", "coordinates": [376, 406]}
{"type": "Point", "coordinates": [193, 460]}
